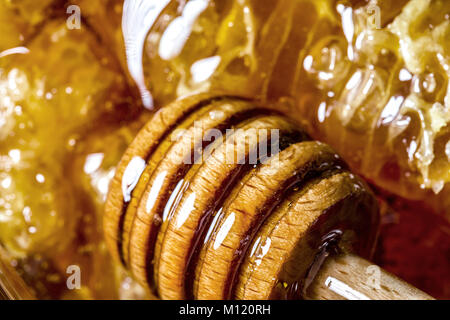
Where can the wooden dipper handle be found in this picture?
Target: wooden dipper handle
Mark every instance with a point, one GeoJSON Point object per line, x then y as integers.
{"type": "Point", "coordinates": [347, 276]}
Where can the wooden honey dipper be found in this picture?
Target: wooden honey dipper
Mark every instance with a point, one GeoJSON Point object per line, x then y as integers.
{"type": "Point", "coordinates": [198, 212]}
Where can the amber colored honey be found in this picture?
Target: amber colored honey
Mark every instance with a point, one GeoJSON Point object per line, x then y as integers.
{"type": "Point", "coordinates": [68, 110]}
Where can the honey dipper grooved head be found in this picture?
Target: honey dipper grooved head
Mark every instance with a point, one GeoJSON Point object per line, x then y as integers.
{"type": "Point", "coordinates": [207, 214]}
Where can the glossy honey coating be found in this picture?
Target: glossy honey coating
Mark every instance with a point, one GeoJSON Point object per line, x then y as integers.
{"type": "Point", "coordinates": [35, 107]}
{"type": "Point", "coordinates": [368, 77]}
{"type": "Point", "coordinates": [207, 178]}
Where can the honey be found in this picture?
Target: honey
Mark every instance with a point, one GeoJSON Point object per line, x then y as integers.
{"type": "Point", "coordinates": [369, 78]}
{"type": "Point", "coordinates": [58, 107]}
